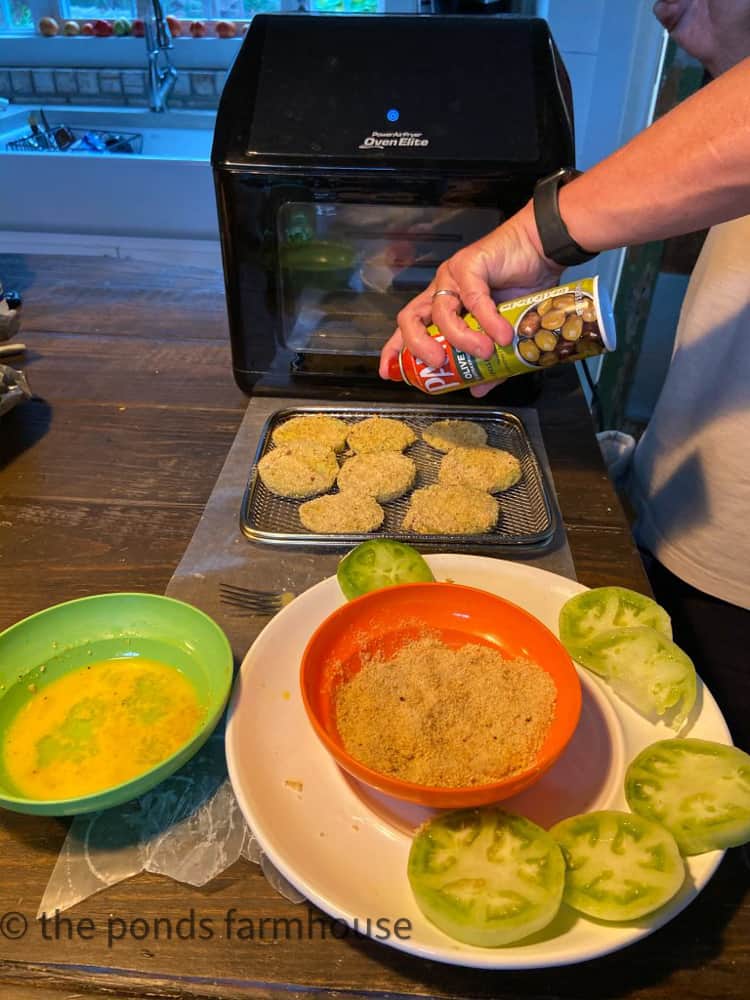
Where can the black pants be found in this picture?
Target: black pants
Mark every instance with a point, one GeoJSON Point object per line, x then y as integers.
{"type": "Point", "coordinates": [716, 637]}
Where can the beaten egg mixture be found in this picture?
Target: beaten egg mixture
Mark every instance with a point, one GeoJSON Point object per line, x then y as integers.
{"type": "Point", "coordinates": [99, 726]}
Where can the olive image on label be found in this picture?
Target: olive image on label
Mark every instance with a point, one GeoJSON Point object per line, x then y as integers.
{"type": "Point", "coordinates": [563, 326]}
{"type": "Point", "coordinates": [567, 323]}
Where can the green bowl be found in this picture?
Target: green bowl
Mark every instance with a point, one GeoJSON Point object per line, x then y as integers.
{"type": "Point", "coordinates": [60, 639]}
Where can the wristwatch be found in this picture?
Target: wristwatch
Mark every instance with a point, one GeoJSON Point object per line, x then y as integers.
{"type": "Point", "coordinates": [557, 243]}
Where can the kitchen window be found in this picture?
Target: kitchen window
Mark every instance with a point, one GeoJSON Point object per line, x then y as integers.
{"type": "Point", "coordinates": [15, 15]}
{"type": "Point", "coordinates": [22, 16]}
{"type": "Point", "coordinates": [209, 10]}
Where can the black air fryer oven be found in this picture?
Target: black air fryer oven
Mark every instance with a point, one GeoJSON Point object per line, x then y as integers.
{"type": "Point", "coordinates": [351, 156]}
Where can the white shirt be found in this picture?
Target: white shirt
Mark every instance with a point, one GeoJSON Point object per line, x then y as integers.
{"type": "Point", "coordinates": [691, 471]}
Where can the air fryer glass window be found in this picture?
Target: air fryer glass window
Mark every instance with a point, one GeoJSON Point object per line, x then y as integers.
{"type": "Point", "coordinates": [345, 270]}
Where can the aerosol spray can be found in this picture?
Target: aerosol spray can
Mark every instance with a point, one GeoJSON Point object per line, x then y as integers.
{"type": "Point", "coordinates": [566, 323]}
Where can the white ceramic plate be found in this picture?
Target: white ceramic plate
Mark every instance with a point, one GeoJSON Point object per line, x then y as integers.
{"type": "Point", "coordinates": [346, 847]}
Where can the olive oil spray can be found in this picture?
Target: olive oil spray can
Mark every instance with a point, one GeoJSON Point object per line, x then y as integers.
{"type": "Point", "coordinates": [567, 323]}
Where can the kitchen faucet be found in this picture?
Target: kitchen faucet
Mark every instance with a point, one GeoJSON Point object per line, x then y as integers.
{"type": "Point", "coordinates": [161, 73]}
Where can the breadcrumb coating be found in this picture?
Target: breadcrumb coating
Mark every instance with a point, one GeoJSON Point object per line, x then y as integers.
{"type": "Point", "coordinates": [383, 475]}
{"type": "Point", "coordinates": [446, 717]}
{"type": "Point", "coordinates": [341, 513]}
{"type": "Point", "coordinates": [451, 510]}
{"type": "Point", "coordinates": [299, 470]}
{"type": "Point", "coordinates": [488, 469]}
{"type": "Point", "coordinates": [380, 434]}
{"type": "Point", "coordinates": [444, 435]}
{"type": "Point", "coordinates": [318, 427]}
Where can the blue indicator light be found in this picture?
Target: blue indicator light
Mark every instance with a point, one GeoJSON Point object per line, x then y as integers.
{"type": "Point", "coordinates": [393, 115]}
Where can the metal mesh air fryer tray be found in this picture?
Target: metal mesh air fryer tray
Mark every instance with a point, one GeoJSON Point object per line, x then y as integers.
{"type": "Point", "coordinates": [526, 513]}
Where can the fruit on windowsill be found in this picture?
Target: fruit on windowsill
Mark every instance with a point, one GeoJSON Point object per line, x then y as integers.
{"type": "Point", "coordinates": [121, 26]}
{"type": "Point", "coordinates": [197, 29]}
{"type": "Point", "coordinates": [225, 29]}
{"type": "Point", "coordinates": [71, 29]}
{"type": "Point", "coordinates": [138, 28]}
{"type": "Point", "coordinates": [103, 29]}
{"type": "Point", "coordinates": [175, 28]}
{"type": "Point", "coordinates": [87, 28]}
{"type": "Point", "coordinates": [48, 26]}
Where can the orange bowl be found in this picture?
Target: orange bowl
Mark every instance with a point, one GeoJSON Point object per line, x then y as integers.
{"type": "Point", "coordinates": [381, 622]}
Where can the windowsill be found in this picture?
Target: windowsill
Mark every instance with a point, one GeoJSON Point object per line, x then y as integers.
{"type": "Point", "coordinates": [186, 53]}
{"type": "Point", "coordinates": [27, 49]}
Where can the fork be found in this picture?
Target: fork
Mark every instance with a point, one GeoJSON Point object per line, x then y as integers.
{"type": "Point", "coordinates": [259, 602]}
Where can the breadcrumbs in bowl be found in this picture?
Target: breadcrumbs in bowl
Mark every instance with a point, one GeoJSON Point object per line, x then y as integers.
{"type": "Point", "coordinates": [440, 694]}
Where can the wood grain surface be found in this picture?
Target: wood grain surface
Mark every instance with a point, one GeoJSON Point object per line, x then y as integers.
{"type": "Point", "coordinates": [103, 477]}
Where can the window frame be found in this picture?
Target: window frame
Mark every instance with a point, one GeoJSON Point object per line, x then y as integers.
{"type": "Point", "coordinates": [23, 48]}
{"type": "Point", "coordinates": [6, 25]}
{"type": "Point", "coordinates": [59, 9]}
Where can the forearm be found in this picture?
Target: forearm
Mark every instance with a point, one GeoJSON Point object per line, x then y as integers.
{"type": "Point", "coordinates": [688, 171]}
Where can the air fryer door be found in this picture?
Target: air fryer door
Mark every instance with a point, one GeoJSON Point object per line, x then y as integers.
{"type": "Point", "coordinates": [317, 269]}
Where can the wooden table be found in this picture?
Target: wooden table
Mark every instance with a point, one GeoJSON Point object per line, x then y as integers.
{"type": "Point", "coordinates": [103, 477]}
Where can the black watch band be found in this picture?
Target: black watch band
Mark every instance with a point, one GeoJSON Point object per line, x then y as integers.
{"type": "Point", "coordinates": [557, 243]}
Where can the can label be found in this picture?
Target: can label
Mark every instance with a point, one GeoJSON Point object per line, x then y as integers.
{"type": "Point", "coordinates": [566, 323]}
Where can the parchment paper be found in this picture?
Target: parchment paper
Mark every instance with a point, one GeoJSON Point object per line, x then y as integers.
{"type": "Point", "coordinates": [190, 826]}
{"type": "Point", "coordinates": [218, 552]}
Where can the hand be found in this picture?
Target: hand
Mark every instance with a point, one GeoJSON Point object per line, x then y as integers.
{"type": "Point", "coordinates": [504, 264]}
{"type": "Point", "coordinates": [716, 32]}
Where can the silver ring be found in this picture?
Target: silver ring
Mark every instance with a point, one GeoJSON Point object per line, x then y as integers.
{"type": "Point", "coordinates": [446, 291]}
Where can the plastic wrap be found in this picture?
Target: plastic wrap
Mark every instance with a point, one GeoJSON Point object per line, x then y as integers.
{"type": "Point", "coordinates": [189, 828]}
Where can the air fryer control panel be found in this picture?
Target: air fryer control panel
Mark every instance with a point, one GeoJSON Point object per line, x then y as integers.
{"type": "Point", "coordinates": [388, 88]}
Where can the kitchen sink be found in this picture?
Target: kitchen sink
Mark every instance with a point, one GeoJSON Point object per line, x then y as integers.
{"type": "Point", "coordinates": [175, 135]}
{"type": "Point", "coordinates": [160, 186]}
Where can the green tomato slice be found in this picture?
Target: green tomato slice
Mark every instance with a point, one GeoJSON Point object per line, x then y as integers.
{"type": "Point", "coordinates": [486, 877]}
{"type": "Point", "coordinates": [646, 670]}
{"type": "Point", "coordinates": [586, 615]}
{"type": "Point", "coordinates": [380, 562]}
{"type": "Point", "coordinates": [620, 866]}
{"type": "Point", "coordinates": [697, 789]}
